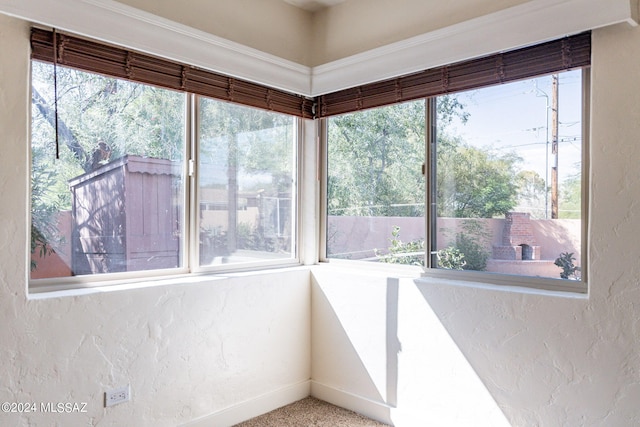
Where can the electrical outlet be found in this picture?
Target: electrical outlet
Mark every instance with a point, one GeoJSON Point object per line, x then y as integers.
{"type": "Point", "coordinates": [117, 395]}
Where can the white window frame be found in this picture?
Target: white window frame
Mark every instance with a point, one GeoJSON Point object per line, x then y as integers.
{"type": "Point", "coordinates": [471, 277]}
{"type": "Point", "coordinates": [189, 246]}
{"type": "Point", "coordinates": [467, 276]}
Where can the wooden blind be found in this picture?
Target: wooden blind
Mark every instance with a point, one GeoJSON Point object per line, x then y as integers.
{"type": "Point", "coordinates": [551, 57]}
{"type": "Point", "coordinates": [125, 64]}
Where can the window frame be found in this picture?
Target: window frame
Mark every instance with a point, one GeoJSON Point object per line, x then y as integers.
{"type": "Point", "coordinates": [543, 283]}
{"type": "Point", "coordinates": [466, 276]}
{"type": "Point", "coordinates": [194, 252]}
{"type": "Point", "coordinates": [189, 244]}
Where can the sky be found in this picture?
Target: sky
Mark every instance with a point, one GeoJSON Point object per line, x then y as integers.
{"type": "Point", "coordinates": [514, 117]}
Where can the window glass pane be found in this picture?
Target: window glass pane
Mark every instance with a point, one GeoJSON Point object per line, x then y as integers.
{"type": "Point", "coordinates": [375, 200]}
{"type": "Point", "coordinates": [508, 179]}
{"type": "Point", "coordinates": [246, 184]}
{"type": "Point", "coordinates": [113, 200]}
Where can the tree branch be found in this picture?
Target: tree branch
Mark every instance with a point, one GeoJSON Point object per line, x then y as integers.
{"type": "Point", "coordinates": [64, 132]}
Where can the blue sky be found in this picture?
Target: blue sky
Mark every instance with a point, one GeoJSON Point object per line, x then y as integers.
{"type": "Point", "coordinates": [514, 117]}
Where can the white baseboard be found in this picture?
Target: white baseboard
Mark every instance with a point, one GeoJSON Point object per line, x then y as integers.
{"type": "Point", "coordinates": [254, 407]}
{"type": "Point", "coordinates": [370, 408]}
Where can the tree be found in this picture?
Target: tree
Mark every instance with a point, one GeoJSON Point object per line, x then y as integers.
{"type": "Point", "coordinates": [473, 182]}
{"type": "Point", "coordinates": [571, 197]}
{"type": "Point", "coordinates": [374, 161]}
{"type": "Point", "coordinates": [98, 119]}
{"type": "Point", "coordinates": [531, 193]}
{"type": "Point", "coordinates": [375, 158]}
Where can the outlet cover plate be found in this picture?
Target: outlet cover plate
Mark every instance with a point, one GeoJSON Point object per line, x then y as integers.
{"type": "Point", "coordinates": [117, 395]}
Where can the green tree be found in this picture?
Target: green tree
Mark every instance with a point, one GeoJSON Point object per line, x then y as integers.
{"type": "Point", "coordinates": [571, 197]}
{"type": "Point", "coordinates": [474, 182]}
{"type": "Point", "coordinates": [531, 193]}
{"type": "Point", "coordinates": [98, 119]}
{"type": "Point", "coordinates": [374, 161]}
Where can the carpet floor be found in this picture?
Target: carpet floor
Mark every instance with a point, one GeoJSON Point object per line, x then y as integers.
{"type": "Point", "coordinates": [311, 412]}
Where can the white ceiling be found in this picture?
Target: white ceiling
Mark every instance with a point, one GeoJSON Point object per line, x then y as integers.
{"type": "Point", "coordinates": [314, 5]}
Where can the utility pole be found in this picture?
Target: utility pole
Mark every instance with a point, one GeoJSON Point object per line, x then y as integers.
{"type": "Point", "coordinates": [554, 146]}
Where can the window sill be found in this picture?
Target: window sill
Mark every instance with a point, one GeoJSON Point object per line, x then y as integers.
{"type": "Point", "coordinates": [79, 289]}
{"type": "Point", "coordinates": [505, 282]}
{"type": "Point", "coordinates": [368, 268]}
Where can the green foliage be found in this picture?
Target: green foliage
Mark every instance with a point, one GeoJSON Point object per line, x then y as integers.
{"type": "Point", "coordinates": [99, 119]}
{"type": "Point", "coordinates": [569, 269]}
{"type": "Point", "coordinates": [475, 255]}
{"type": "Point", "coordinates": [451, 258]}
{"type": "Point", "coordinates": [213, 243]}
{"type": "Point", "coordinates": [531, 193]}
{"type": "Point", "coordinates": [44, 209]}
{"type": "Point", "coordinates": [571, 197]}
{"type": "Point", "coordinates": [375, 158]}
{"type": "Point", "coordinates": [253, 142]}
{"type": "Point", "coordinates": [399, 252]}
{"type": "Point", "coordinates": [250, 238]}
{"type": "Point", "coordinates": [474, 182]}
{"type": "Point", "coordinates": [468, 252]}
{"type": "Point", "coordinates": [472, 242]}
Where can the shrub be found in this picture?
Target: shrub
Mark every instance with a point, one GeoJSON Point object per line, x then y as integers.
{"type": "Point", "coordinates": [569, 269]}
{"type": "Point", "coordinates": [410, 253]}
{"type": "Point", "coordinates": [451, 258]}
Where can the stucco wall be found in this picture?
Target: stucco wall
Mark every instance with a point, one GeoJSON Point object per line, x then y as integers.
{"type": "Point", "coordinates": [545, 359]}
{"type": "Point", "coordinates": [187, 349]}
{"type": "Point", "coordinates": [192, 349]}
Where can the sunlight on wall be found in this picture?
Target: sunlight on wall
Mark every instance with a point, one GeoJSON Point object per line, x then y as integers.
{"type": "Point", "coordinates": [379, 341]}
{"type": "Point", "coordinates": [436, 384]}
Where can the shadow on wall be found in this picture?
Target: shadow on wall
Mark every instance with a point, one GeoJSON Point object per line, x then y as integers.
{"type": "Point", "coordinates": [348, 362]}
{"type": "Point", "coordinates": [378, 348]}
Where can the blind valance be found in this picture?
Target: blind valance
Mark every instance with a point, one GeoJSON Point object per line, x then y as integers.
{"type": "Point", "coordinates": [546, 58]}
{"type": "Point", "coordinates": [118, 62]}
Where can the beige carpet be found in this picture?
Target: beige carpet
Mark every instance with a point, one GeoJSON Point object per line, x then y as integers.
{"type": "Point", "coordinates": [311, 412]}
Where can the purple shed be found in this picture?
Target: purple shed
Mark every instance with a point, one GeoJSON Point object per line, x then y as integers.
{"type": "Point", "coordinates": [127, 216]}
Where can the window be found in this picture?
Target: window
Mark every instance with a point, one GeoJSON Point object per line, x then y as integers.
{"type": "Point", "coordinates": [504, 165]}
{"type": "Point", "coordinates": [247, 185]}
{"type": "Point", "coordinates": [133, 175]}
{"type": "Point", "coordinates": [506, 179]}
{"type": "Point", "coordinates": [113, 200]}
{"type": "Point", "coordinates": [375, 188]}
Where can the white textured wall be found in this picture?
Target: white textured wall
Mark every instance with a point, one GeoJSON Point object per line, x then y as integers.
{"type": "Point", "coordinates": [188, 350]}
{"type": "Point", "coordinates": [546, 360]}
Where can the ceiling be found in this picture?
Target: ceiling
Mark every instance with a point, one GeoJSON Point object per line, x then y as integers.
{"type": "Point", "coordinates": [314, 5]}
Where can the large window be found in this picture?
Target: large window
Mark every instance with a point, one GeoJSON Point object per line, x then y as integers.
{"type": "Point", "coordinates": [108, 193]}
{"type": "Point", "coordinates": [111, 167]}
{"type": "Point", "coordinates": [375, 188]}
{"type": "Point", "coordinates": [504, 181]}
{"type": "Point", "coordinates": [247, 187]}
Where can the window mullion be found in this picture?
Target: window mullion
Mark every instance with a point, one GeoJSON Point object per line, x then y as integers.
{"type": "Point", "coordinates": [430, 182]}
{"type": "Point", "coordinates": [191, 213]}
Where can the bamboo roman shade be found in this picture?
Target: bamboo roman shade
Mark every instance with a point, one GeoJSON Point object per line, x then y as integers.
{"type": "Point", "coordinates": [125, 64]}
{"type": "Point", "coordinates": [555, 56]}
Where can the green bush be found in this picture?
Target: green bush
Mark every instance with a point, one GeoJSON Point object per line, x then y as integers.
{"type": "Point", "coordinates": [410, 253]}
{"type": "Point", "coordinates": [569, 269]}
{"type": "Point", "coordinates": [451, 258]}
